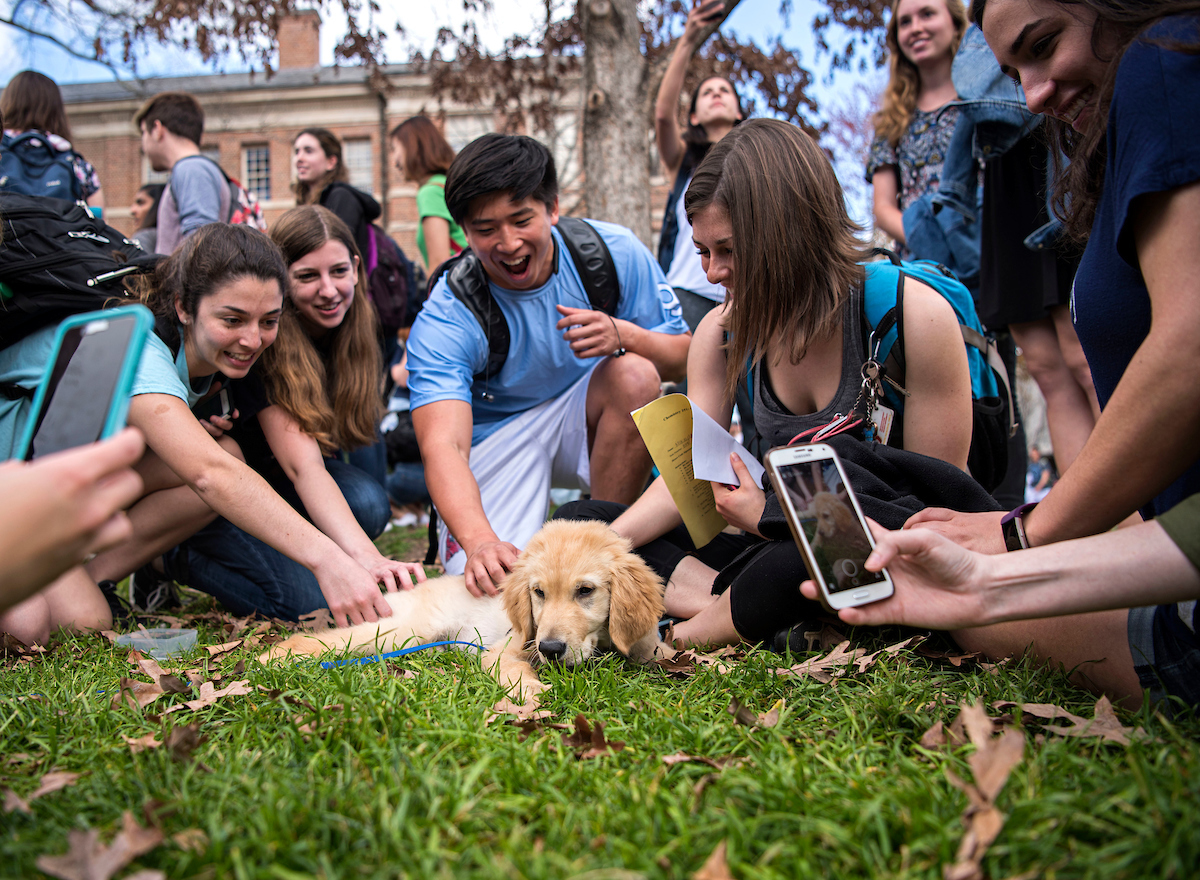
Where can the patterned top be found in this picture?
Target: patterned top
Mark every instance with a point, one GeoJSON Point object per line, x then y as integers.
{"type": "Point", "coordinates": [919, 155]}
{"type": "Point", "coordinates": [84, 171]}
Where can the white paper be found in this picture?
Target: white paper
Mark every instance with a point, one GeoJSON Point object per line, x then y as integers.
{"type": "Point", "coordinates": [711, 445]}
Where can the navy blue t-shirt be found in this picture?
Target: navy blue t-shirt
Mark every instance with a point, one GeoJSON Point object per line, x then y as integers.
{"type": "Point", "coordinates": [1153, 146]}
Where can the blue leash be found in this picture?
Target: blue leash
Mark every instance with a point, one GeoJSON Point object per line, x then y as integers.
{"type": "Point", "coordinates": [356, 661]}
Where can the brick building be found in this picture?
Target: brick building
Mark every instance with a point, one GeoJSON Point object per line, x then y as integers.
{"type": "Point", "coordinates": [250, 122]}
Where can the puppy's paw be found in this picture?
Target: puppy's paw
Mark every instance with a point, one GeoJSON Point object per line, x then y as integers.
{"type": "Point", "coordinates": [292, 647]}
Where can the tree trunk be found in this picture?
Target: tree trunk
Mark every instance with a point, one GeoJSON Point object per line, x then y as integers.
{"type": "Point", "coordinates": [615, 150]}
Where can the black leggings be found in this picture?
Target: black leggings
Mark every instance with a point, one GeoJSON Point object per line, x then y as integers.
{"type": "Point", "coordinates": [763, 576]}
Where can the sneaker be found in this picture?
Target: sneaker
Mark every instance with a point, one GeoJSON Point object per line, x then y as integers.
{"type": "Point", "coordinates": [150, 590]}
{"type": "Point", "coordinates": [116, 605]}
{"type": "Point", "coordinates": [795, 639]}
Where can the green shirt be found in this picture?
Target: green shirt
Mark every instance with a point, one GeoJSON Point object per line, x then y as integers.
{"type": "Point", "coordinates": [431, 202]}
{"type": "Point", "coordinates": [1182, 525]}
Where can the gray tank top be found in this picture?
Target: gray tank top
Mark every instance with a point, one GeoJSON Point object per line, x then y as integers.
{"type": "Point", "coordinates": [775, 424]}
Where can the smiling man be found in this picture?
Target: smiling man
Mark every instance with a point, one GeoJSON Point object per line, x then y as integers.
{"type": "Point", "coordinates": [542, 397]}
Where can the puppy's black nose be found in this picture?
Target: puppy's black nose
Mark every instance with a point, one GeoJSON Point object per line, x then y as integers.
{"type": "Point", "coordinates": [552, 649]}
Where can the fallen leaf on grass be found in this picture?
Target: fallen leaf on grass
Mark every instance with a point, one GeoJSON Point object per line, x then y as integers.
{"type": "Point", "coordinates": [868, 660]}
{"type": "Point", "coordinates": [191, 840]}
{"type": "Point", "coordinates": [681, 664]}
{"type": "Point", "coordinates": [527, 711]}
{"type": "Point", "coordinates": [167, 680]}
{"type": "Point", "coordinates": [52, 782]}
{"type": "Point", "coordinates": [1104, 725]}
{"type": "Point", "coordinates": [745, 716]}
{"type": "Point", "coordinates": [110, 635]}
{"type": "Point", "coordinates": [319, 619]}
{"type": "Point", "coordinates": [146, 874]}
{"type": "Point", "coordinates": [219, 652]}
{"type": "Point", "coordinates": [136, 694]}
{"type": "Point", "coordinates": [141, 743]}
{"type": "Point", "coordinates": [715, 763]}
{"type": "Point", "coordinates": [184, 740]}
{"type": "Point", "coordinates": [88, 859]}
{"type": "Point", "coordinates": [994, 757]}
{"type": "Point", "coordinates": [824, 638]}
{"type": "Point", "coordinates": [533, 725]}
{"type": "Point", "coordinates": [955, 658]}
{"type": "Point", "coordinates": [825, 669]}
{"type": "Point", "coordinates": [590, 739]}
{"type": "Point", "coordinates": [716, 868]}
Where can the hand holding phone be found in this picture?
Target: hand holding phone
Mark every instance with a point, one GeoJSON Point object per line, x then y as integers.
{"type": "Point", "coordinates": [828, 524]}
{"type": "Point", "coordinates": [84, 394]}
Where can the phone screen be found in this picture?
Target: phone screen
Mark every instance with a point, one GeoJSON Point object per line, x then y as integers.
{"type": "Point", "coordinates": [838, 540]}
{"type": "Point", "coordinates": [79, 394]}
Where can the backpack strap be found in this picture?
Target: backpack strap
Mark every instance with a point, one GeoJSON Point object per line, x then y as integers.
{"type": "Point", "coordinates": [469, 283]}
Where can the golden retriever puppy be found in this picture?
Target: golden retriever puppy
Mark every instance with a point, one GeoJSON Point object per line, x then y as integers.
{"type": "Point", "coordinates": [575, 590]}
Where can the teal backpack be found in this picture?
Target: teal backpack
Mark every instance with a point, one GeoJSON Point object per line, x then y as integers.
{"type": "Point", "coordinates": [993, 414]}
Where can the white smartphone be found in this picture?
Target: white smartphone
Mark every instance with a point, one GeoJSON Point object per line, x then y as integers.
{"type": "Point", "coordinates": [828, 524]}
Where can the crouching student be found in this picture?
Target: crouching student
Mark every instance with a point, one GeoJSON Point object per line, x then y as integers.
{"type": "Point", "coordinates": [217, 303]}
{"type": "Point", "coordinates": [315, 391]}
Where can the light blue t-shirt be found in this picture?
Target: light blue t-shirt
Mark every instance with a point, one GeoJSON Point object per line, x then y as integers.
{"type": "Point", "coordinates": [24, 362]}
{"type": "Point", "coordinates": [447, 346]}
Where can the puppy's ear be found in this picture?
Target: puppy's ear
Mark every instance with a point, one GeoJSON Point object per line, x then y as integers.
{"type": "Point", "coordinates": [518, 605]}
{"type": "Point", "coordinates": [636, 603]}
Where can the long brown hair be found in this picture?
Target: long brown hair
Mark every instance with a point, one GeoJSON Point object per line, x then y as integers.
{"type": "Point", "coordinates": [336, 400]}
{"type": "Point", "coordinates": [795, 253]}
{"type": "Point", "coordinates": [310, 193]}
{"type": "Point", "coordinates": [426, 151]}
{"type": "Point", "coordinates": [904, 79]}
{"type": "Point", "coordinates": [1118, 23]}
{"type": "Point", "coordinates": [32, 102]}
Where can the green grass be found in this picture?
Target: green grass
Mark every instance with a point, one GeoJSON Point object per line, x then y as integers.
{"type": "Point", "coordinates": [405, 779]}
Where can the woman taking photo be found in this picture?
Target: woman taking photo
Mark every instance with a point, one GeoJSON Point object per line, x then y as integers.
{"type": "Point", "coordinates": [217, 302]}
{"type": "Point", "coordinates": [714, 110]}
{"type": "Point", "coordinates": [423, 157]}
{"type": "Point", "coordinates": [322, 179]}
{"type": "Point", "coordinates": [1118, 80]}
{"type": "Point", "coordinates": [769, 220]}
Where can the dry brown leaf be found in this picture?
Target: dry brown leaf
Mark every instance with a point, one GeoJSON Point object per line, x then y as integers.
{"type": "Point", "coordinates": [110, 635]}
{"type": "Point", "coordinates": [13, 801]}
{"type": "Point", "coordinates": [993, 760]}
{"type": "Point", "coordinates": [209, 694]}
{"type": "Point", "coordinates": [52, 782]}
{"type": "Point", "coordinates": [527, 711]}
{"type": "Point", "coordinates": [1104, 724]}
{"type": "Point", "coordinates": [218, 652]}
{"type": "Point", "coordinates": [590, 740]}
{"type": "Point", "coordinates": [956, 658]}
{"type": "Point", "coordinates": [716, 868]}
{"type": "Point", "coordinates": [319, 619]}
{"type": "Point", "coordinates": [191, 840]}
{"type": "Point", "coordinates": [681, 664]}
{"type": "Point", "coordinates": [146, 874]}
{"type": "Point", "coordinates": [715, 763]}
{"type": "Point", "coordinates": [88, 859]}
{"type": "Point", "coordinates": [745, 716]}
{"type": "Point", "coordinates": [533, 725]}
{"type": "Point", "coordinates": [867, 661]}
{"type": "Point", "coordinates": [136, 694]}
{"type": "Point", "coordinates": [824, 638]}
{"type": "Point", "coordinates": [166, 678]}
{"type": "Point", "coordinates": [141, 743]}
{"type": "Point", "coordinates": [184, 740]}
{"type": "Point", "coordinates": [825, 669]}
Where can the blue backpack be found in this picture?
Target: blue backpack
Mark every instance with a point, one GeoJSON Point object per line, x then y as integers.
{"type": "Point", "coordinates": [993, 414]}
{"type": "Point", "coordinates": [30, 165]}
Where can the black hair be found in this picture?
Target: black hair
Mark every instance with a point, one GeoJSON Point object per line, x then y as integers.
{"type": "Point", "coordinates": [498, 163]}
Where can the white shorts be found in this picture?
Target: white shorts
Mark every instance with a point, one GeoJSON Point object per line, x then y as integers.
{"type": "Point", "coordinates": [517, 465]}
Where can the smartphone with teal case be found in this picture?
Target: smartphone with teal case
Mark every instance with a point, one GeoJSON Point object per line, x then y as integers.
{"type": "Point", "coordinates": [84, 394]}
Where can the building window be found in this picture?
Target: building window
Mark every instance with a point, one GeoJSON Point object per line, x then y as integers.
{"type": "Point", "coordinates": [256, 174]}
{"type": "Point", "coordinates": [360, 164]}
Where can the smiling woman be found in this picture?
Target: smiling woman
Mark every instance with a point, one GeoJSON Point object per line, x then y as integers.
{"type": "Point", "coordinates": [1119, 79]}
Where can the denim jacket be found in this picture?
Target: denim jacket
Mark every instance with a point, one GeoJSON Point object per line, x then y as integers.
{"type": "Point", "coordinates": [992, 118]}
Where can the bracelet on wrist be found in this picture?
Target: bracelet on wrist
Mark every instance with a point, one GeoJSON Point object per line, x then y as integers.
{"type": "Point", "coordinates": [1013, 525]}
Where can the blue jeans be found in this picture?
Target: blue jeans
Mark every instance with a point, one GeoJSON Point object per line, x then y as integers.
{"type": "Point", "coordinates": [371, 460]}
{"type": "Point", "coordinates": [248, 576]}
{"type": "Point", "coordinates": [406, 483]}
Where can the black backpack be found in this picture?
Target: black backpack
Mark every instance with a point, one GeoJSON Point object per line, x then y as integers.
{"type": "Point", "coordinates": [391, 281]}
{"type": "Point", "coordinates": [57, 260]}
{"type": "Point", "coordinates": [468, 282]}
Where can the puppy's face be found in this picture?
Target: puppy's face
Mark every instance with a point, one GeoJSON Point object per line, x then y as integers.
{"type": "Point", "coordinates": [575, 587]}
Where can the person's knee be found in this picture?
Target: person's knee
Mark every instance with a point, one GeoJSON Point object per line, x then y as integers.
{"type": "Point", "coordinates": [630, 381]}
{"type": "Point", "coordinates": [28, 621]}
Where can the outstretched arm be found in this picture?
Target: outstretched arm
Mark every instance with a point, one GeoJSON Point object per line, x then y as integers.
{"type": "Point", "coordinates": [943, 586]}
{"type": "Point", "coordinates": [593, 333]}
{"type": "Point", "coordinates": [671, 147]}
